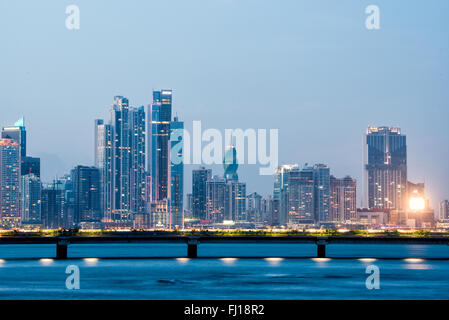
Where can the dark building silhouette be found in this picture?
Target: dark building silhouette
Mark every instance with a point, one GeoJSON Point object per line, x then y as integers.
{"type": "Point", "coordinates": [199, 193]}
{"type": "Point", "coordinates": [52, 208]}
{"type": "Point", "coordinates": [31, 165]}
{"type": "Point", "coordinates": [86, 192]}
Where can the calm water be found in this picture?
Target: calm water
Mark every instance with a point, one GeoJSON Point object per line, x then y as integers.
{"type": "Point", "coordinates": [131, 277]}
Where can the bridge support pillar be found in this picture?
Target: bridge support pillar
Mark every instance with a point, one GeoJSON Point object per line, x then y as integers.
{"type": "Point", "coordinates": [321, 247]}
{"type": "Point", "coordinates": [61, 250]}
{"type": "Point", "coordinates": [321, 251]}
{"type": "Point", "coordinates": [192, 248]}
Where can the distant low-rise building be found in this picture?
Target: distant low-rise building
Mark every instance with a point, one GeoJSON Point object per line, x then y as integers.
{"type": "Point", "coordinates": [372, 217]}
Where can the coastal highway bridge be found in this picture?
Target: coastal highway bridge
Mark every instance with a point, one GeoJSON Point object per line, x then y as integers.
{"type": "Point", "coordinates": [62, 242]}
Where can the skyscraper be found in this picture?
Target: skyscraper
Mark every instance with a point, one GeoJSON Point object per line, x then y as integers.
{"type": "Point", "coordinates": [30, 165]}
{"type": "Point", "coordinates": [281, 191]}
{"type": "Point", "coordinates": [343, 203]}
{"type": "Point", "coordinates": [235, 196]}
{"type": "Point", "coordinates": [254, 207]}
{"type": "Point", "coordinates": [121, 164]}
{"type": "Point", "coordinates": [137, 173]}
{"type": "Point", "coordinates": [52, 207]}
{"type": "Point", "coordinates": [159, 118]}
{"type": "Point", "coordinates": [215, 198]}
{"type": "Point", "coordinates": [17, 132]}
{"type": "Point", "coordinates": [385, 168]}
{"type": "Point", "coordinates": [87, 195]}
{"type": "Point", "coordinates": [303, 194]}
{"type": "Point", "coordinates": [177, 172]}
{"type": "Point", "coordinates": [321, 177]}
{"type": "Point", "coordinates": [30, 200]}
{"type": "Point", "coordinates": [103, 161]}
{"type": "Point", "coordinates": [120, 156]}
{"type": "Point", "coordinates": [300, 194]}
{"type": "Point", "coordinates": [199, 196]}
{"type": "Point", "coordinates": [10, 183]}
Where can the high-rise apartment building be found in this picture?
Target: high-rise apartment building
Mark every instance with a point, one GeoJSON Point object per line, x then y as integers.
{"type": "Point", "coordinates": [159, 118]}
{"type": "Point", "coordinates": [385, 168]}
{"type": "Point", "coordinates": [17, 132]}
{"type": "Point", "coordinates": [121, 159]}
{"type": "Point", "coordinates": [254, 207]}
{"type": "Point", "coordinates": [343, 202]}
{"type": "Point", "coordinates": [300, 196]}
{"type": "Point", "coordinates": [321, 177]}
{"type": "Point", "coordinates": [30, 199]}
{"type": "Point", "coordinates": [177, 172]}
{"type": "Point", "coordinates": [10, 183]}
{"type": "Point", "coordinates": [120, 156]}
{"type": "Point", "coordinates": [137, 170]}
{"type": "Point", "coordinates": [30, 165]}
{"type": "Point", "coordinates": [199, 195]}
{"type": "Point", "coordinates": [103, 161]}
{"type": "Point", "coordinates": [215, 199]}
{"type": "Point", "coordinates": [280, 192]}
{"type": "Point", "coordinates": [87, 195]}
{"type": "Point", "coordinates": [52, 207]}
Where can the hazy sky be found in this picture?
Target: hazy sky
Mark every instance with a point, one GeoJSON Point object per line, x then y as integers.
{"type": "Point", "coordinates": [308, 68]}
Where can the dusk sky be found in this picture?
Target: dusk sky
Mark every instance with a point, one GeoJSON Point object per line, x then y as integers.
{"type": "Point", "coordinates": [308, 68]}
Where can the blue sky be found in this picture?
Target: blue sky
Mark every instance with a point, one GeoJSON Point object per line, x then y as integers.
{"type": "Point", "coordinates": [309, 68]}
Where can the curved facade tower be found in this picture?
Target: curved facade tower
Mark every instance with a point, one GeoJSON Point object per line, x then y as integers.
{"type": "Point", "coordinates": [230, 164]}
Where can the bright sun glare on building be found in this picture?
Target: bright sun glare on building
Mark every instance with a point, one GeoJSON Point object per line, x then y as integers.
{"type": "Point", "coordinates": [417, 203]}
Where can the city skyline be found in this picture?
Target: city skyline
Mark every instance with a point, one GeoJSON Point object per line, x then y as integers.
{"type": "Point", "coordinates": [219, 154]}
{"type": "Point", "coordinates": [119, 192]}
{"type": "Point", "coordinates": [27, 160]}
{"type": "Point", "coordinates": [310, 69]}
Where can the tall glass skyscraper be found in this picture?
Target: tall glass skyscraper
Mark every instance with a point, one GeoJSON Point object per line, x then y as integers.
{"type": "Point", "coordinates": [52, 207]}
{"type": "Point", "coordinates": [385, 168]}
{"type": "Point", "coordinates": [216, 189]}
{"type": "Point", "coordinates": [321, 177]}
{"type": "Point", "coordinates": [280, 192]}
{"type": "Point", "coordinates": [159, 144]}
{"type": "Point", "coordinates": [199, 195]}
{"type": "Point", "coordinates": [103, 161]}
{"type": "Point", "coordinates": [10, 183]}
{"type": "Point", "coordinates": [87, 195]}
{"type": "Point", "coordinates": [17, 132]}
{"type": "Point", "coordinates": [235, 196]}
{"type": "Point", "coordinates": [120, 156]}
{"type": "Point", "coordinates": [177, 173]}
{"type": "Point", "coordinates": [121, 163]}
{"type": "Point", "coordinates": [30, 200]}
{"type": "Point", "coordinates": [137, 173]}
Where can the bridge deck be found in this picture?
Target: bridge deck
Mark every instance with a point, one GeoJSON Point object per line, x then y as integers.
{"type": "Point", "coordinates": [62, 242]}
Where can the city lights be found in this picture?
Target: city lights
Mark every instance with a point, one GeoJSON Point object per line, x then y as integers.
{"type": "Point", "coordinates": [417, 203]}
